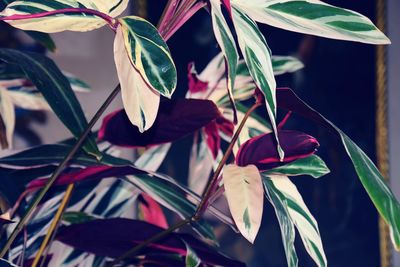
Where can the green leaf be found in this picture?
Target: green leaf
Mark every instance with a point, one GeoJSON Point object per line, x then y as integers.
{"type": "Point", "coordinates": [369, 175]}
{"type": "Point", "coordinates": [149, 54]}
{"type": "Point", "coordinates": [191, 260]}
{"type": "Point", "coordinates": [74, 217]}
{"type": "Point", "coordinates": [43, 39]}
{"type": "Point", "coordinates": [312, 165]}
{"type": "Point", "coordinates": [244, 193]}
{"type": "Point", "coordinates": [285, 64]}
{"type": "Point", "coordinates": [72, 21]}
{"type": "Point", "coordinates": [258, 59]}
{"type": "Point", "coordinates": [56, 90]}
{"type": "Point", "coordinates": [284, 193]}
{"type": "Point", "coordinates": [314, 17]}
{"type": "Point", "coordinates": [286, 224]}
{"type": "Point", "coordinates": [227, 43]}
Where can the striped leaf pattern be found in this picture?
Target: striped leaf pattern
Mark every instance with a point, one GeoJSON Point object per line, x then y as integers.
{"type": "Point", "coordinates": [43, 15]}
{"type": "Point", "coordinates": [227, 43]}
{"type": "Point", "coordinates": [290, 208]}
{"type": "Point", "coordinates": [149, 54]}
{"type": "Point", "coordinates": [258, 59]}
{"type": "Point", "coordinates": [244, 192]}
{"type": "Point", "coordinates": [7, 119]}
{"type": "Point", "coordinates": [313, 17]}
{"type": "Point", "coordinates": [140, 102]}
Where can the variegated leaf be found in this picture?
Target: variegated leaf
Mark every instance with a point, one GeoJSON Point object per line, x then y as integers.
{"type": "Point", "coordinates": [299, 214]}
{"type": "Point", "coordinates": [244, 192]}
{"type": "Point", "coordinates": [149, 54]}
{"type": "Point", "coordinates": [313, 17]}
{"type": "Point", "coordinates": [191, 260]}
{"type": "Point", "coordinates": [285, 64]}
{"type": "Point", "coordinates": [227, 43]}
{"type": "Point", "coordinates": [258, 59]}
{"type": "Point", "coordinates": [140, 102]}
{"type": "Point", "coordinates": [61, 15]}
{"type": "Point", "coordinates": [7, 117]}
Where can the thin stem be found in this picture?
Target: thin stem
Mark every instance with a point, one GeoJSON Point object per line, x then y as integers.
{"type": "Point", "coordinates": [58, 171]}
{"type": "Point", "coordinates": [167, 13]}
{"type": "Point", "coordinates": [99, 14]}
{"type": "Point", "coordinates": [54, 223]}
{"type": "Point", "coordinates": [284, 120]}
{"type": "Point", "coordinates": [205, 199]}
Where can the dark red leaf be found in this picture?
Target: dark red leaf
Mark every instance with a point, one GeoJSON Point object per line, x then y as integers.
{"type": "Point", "coordinates": [195, 84]}
{"type": "Point", "coordinates": [212, 138]}
{"type": "Point", "coordinates": [113, 237]}
{"type": "Point", "coordinates": [89, 173]}
{"type": "Point", "coordinates": [176, 119]}
{"type": "Point", "coordinates": [261, 150]}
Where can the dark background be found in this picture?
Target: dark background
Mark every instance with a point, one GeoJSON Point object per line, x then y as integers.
{"type": "Point", "coordinates": [339, 81]}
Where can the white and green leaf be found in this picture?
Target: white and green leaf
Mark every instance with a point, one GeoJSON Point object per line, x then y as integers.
{"type": "Point", "coordinates": [27, 14]}
{"type": "Point", "coordinates": [191, 259]}
{"type": "Point", "coordinates": [244, 193]}
{"type": "Point", "coordinates": [149, 54]}
{"type": "Point", "coordinates": [313, 17]}
{"type": "Point", "coordinates": [140, 101]}
{"type": "Point", "coordinates": [287, 195]}
{"type": "Point", "coordinates": [312, 165]}
{"type": "Point", "coordinates": [227, 43]}
{"type": "Point", "coordinates": [258, 59]}
{"type": "Point", "coordinates": [7, 116]}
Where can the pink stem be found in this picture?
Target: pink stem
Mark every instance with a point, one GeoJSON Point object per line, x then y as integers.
{"type": "Point", "coordinates": [99, 14]}
{"type": "Point", "coordinates": [285, 119]}
{"type": "Point", "coordinates": [168, 13]}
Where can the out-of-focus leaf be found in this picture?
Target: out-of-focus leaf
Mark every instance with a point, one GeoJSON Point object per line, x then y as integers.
{"type": "Point", "coordinates": [43, 39]}
{"type": "Point", "coordinates": [74, 217]}
{"type": "Point", "coordinates": [191, 259]}
{"type": "Point", "coordinates": [56, 90]}
{"type": "Point", "coordinates": [314, 17]}
{"type": "Point", "coordinates": [176, 119]}
{"type": "Point", "coordinates": [26, 15]}
{"type": "Point", "coordinates": [5, 219]}
{"type": "Point", "coordinates": [151, 212]}
{"type": "Point", "coordinates": [113, 237]}
{"type": "Point", "coordinates": [312, 165]}
{"type": "Point", "coordinates": [261, 150]}
{"type": "Point", "coordinates": [5, 263]}
{"type": "Point", "coordinates": [373, 182]}
{"type": "Point", "coordinates": [285, 194]}
{"type": "Point", "coordinates": [7, 119]}
{"type": "Point", "coordinates": [245, 195]}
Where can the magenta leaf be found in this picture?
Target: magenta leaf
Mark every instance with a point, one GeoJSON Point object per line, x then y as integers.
{"type": "Point", "coordinates": [261, 150]}
{"type": "Point", "coordinates": [151, 211]}
{"type": "Point", "coordinates": [176, 119]}
{"type": "Point", "coordinates": [227, 4]}
{"type": "Point", "coordinates": [113, 237]}
{"type": "Point", "coordinates": [195, 84]}
{"type": "Point", "coordinates": [213, 138]}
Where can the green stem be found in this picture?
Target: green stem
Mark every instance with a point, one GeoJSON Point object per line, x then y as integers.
{"type": "Point", "coordinates": [58, 171]}
{"type": "Point", "coordinates": [203, 203]}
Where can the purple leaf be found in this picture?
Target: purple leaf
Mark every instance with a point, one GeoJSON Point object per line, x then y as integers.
{"type": "Point", "coordinates": [176, 119]}
{"type": "Point", "coordinates": [261, 150]}
{"type": "Point", "coordinates": [113, 237]}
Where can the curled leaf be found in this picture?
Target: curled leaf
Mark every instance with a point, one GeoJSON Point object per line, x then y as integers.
{"type": "Point", "coordinates": [261, 150]}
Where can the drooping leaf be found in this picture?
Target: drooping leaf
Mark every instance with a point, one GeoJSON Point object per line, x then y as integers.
{"type": "Point", "coordinates": [312, 165]}
{"type": "Point", "coordinates": [285, 64]}
{"type": "Point", "coordinates": [228, 46]}
{"type": "Point", "coordinates": [44, 39]}
{"type": "Point", "coordinates": [286, 224]}
{"type": "Point", "coordinates": [314, 17]}
{"type": "Point", "coordinates": [374, 183]}
{"type": "Point", "coordinates": [113, 237]}
{"type": "Point", "coordinates": [140, 101]}
{"type": "Point", "coordinates": [261, 151]}
{"type": "Point", "coordinates": [7, 119]}
{"type": "Point", "coordinates": [286, 195]}
{"type": "Point", "coordinates": [244, 192]}
{"type": "Point", "coordinates": [55, 88]}
{"type": "Point", "coordinates": [74, 217]}
{"type": "Point", "coordinates": [151, 212]}
{"type": "Point", "coordinates": [61, 15]}
{"type": "Point", "coordinates": [258, 59]}
{"type": "Point", "coordinates": [176, 119]}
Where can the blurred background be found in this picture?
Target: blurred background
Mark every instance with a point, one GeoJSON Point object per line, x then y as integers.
{"type": "Point", "coordinates": [339, 80]}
